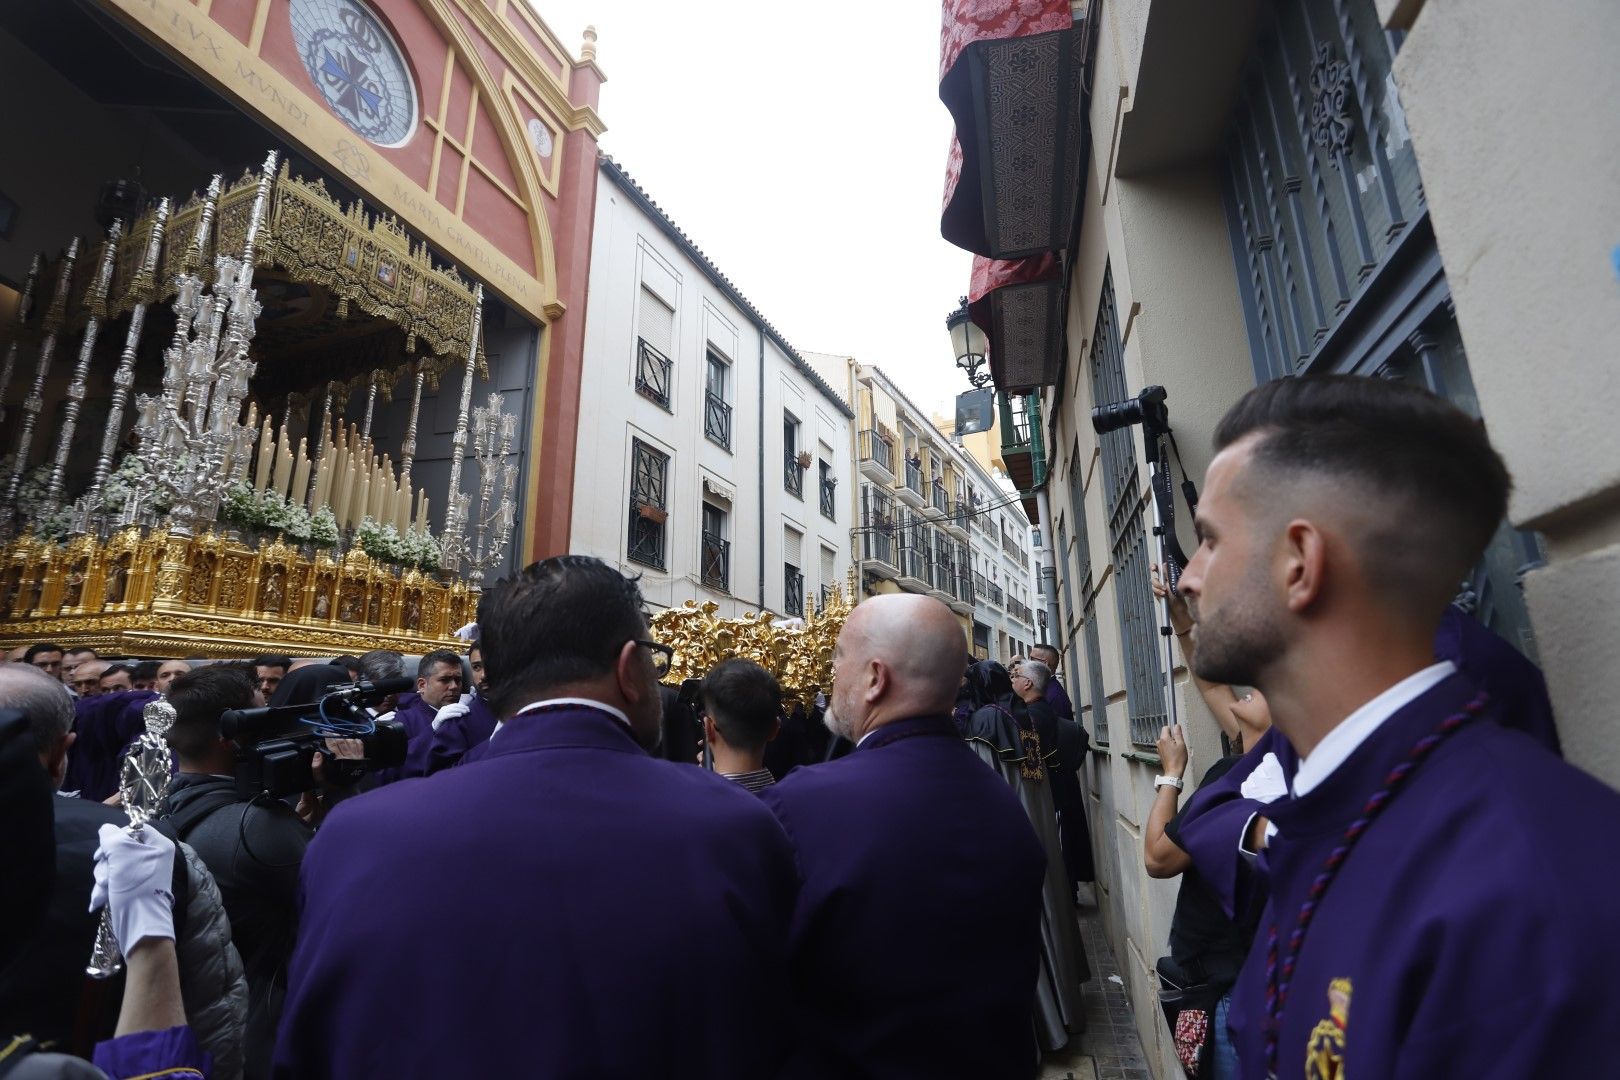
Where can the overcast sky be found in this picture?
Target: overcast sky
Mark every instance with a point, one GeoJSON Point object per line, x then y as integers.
{"type": "Point", "coordinates": [802, 147]}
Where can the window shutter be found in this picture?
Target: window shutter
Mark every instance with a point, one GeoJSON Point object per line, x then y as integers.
{"type": "Point", "coordinates": [793, 546]}
{"type": "Point", "coordinates": [657, 322]}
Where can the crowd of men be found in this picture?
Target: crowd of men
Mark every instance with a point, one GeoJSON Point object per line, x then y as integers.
{"type": "Point", "coordinates": [517, 866]}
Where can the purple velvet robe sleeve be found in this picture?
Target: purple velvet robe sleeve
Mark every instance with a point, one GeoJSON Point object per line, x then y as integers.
{"type": "Point", "coordinates": [1212, 825]}
{"type": "Point", "coordinates": [173, 1054]}
{"type": "Point", "coordinates": [1058, 698]}
{"type": "Point", "coordinates": [458, 735]}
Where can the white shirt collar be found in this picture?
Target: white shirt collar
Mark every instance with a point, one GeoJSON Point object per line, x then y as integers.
{"type": "Point", "coordinates": [1337, 745]}
{"type": "Point", "coordinates": [617, 714]}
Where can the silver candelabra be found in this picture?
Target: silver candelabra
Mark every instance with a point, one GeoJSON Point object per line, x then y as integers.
{"type": "Point", "coordinates": [493, 429]}
{"type": "Point", "coordinates": [192, 438]}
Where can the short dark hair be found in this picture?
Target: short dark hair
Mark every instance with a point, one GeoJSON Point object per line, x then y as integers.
{"type": "Point", "coordinates": [42, 647]}
{"type": "Point", "coordinates": [380, 664]}
{"type": "Point", "coordinates": [347, 661]}
{"type": "Point", "coordinates": [434, 659]}
{"type": "Point", "coordinates": [1045, 647]}
{"type": "Point", "coordinates": [1397, 442]}
{"type": "Point", "coordinates": [200, 697]}
{"type": "Point", "coordinates": [555, 622]}
{"type": "Point", "coordinates": [118, 667]}
{"type": "Point", "coordinates": [744, 701]}
{"type": "Point", "coordinates": [84, 649]}
{"type": "Point", "coordinates": [146, 670]}
{"type": "Point", "coordinates": [272, 660]}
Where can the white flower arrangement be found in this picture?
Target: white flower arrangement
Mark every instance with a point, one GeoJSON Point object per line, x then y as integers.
{"type": "Point", "coordinates": [129, 477]}
{"type": "Point", "coordinates": [323, 528]}
{"type": "Point", "coordinates": [52, 525]}
{"type": "Point", "coordinates": [423, 549]}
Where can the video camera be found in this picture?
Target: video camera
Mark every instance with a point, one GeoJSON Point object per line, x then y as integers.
{"type": "Point", "coordinates": [276, 747]}
{"type": "Point", "coordinates": [1147, 408]}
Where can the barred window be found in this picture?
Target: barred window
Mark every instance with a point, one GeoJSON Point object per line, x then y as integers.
{"type": "Point", "coordinates": [1123, 500]}
{"type": "Point", "coordinates": [649, 473]}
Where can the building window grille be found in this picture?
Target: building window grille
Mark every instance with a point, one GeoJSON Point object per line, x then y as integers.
{"type": "Point", "coordinates": [793, 590]}
{"type": "Point", "coordinates": [796, 460]}
{"type": "Point", "coordinates": [914, 479]}
{"type": "Point", "coordinates": [878, 448]}
{"type": "Point", "coordinates": [716, 409]}
{"type": "Point", "coordinates": [829, 493]}
{"type": "Point", "coordinates": [652, 373]}
{"type": "Point", "coordinates": [1133, 591]}
{"type": "Point", "coordinates": [877, 526]}
{"type": "Point", "coordinates": [715, 568]}
{"type": "Point", "coordinates": [649, 472]}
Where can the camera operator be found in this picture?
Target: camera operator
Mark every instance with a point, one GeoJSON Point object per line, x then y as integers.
{"type": "Point", "coordinates": [253, 846]}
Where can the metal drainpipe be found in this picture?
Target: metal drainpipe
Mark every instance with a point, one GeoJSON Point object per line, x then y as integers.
{"type": "Point", "coordinates": [760, 439]}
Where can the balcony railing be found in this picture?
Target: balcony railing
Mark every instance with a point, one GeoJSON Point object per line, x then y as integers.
{"type": "Point", "coordinates": [914, 479]}
{"type": "Point", "coordinates": [716, 568]}
{"type": "Point", "coordinates": [793, 478]}
{"type": "Point", "coordinates": [959, 515]}
{"type": "Point", "coordinates": [914, 563]}
{"type": "Point", "coordinates": [878, 448]}
{"type": "Point", "coordinates": [793, 590]}
{"type": "Point", "coordinates": [829, 498]}
{"type": "Point", "coordinates": [939, 499]}
{"type": "Point", "coordinates": [652, 373]}
{"type": "Point", "coordinates": [646, 543]}
{"type": "Point", "coordinates": [716, 419]}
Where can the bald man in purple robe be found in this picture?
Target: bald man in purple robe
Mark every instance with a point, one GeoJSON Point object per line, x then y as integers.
{"type": "Point", "coordinates": [1436, 906]}
{"type": "Point", "coordinates": [917, 937]}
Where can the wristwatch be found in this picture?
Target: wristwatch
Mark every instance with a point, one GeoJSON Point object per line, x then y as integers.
{"type": "Point", "coordinates": [1169, 781]}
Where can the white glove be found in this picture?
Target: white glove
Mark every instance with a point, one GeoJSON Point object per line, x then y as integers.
{"type": "Point", "coordinates": [1266, 783]}
{"type": "Point", "coordinates": [133, 879]}
{"type": "Point", "coordinates": [448, 712]}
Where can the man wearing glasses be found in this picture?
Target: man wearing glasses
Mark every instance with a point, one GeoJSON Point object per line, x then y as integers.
{"type": "Point", "coordinates": [564, 905]}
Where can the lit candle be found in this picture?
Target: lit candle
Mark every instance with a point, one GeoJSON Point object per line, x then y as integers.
{"type": "Point", "coordinates": [345, 493]}
{"type": "Point", "coordinates": [262, 476]}
{"type": "Point", "coordinates": [362, 495]}
{"type": "Point", "coordinates": [300, 484]}
{"type": "Point", "coordinates": [283, 472]}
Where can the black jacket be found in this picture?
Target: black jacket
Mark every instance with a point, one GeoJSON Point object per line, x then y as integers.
{"type": "Point", "coordinates": [254, 851]}
{"type": "Point", "coordinates": [44, 991]}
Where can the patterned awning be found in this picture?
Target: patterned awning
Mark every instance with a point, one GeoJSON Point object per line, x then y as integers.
{"type": "Point", "coordinates": [1010, 74]}
{"type": "Point", "coordinates": [1018, 303]}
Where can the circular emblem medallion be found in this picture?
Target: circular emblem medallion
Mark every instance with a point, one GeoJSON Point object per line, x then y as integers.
{"type": "Point", "coordinates": [540, 138]}
{"type": "Point", "coordinates": [357, 66]}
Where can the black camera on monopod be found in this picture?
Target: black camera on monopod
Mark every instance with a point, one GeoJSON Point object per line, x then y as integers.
{"type": "Point", "coordinates": [276, 747]}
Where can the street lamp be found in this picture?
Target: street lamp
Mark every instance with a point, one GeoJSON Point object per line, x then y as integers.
{"type": "Point", "coordinates": [969, 345]}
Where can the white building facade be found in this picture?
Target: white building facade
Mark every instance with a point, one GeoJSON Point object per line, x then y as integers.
{"type": "Point", "coordinates": [712, 460]}
{"type": "Point", "coordinates": [927, 517]}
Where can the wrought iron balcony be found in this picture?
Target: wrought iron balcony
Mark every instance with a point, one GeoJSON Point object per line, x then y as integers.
{"type": "Point", "coordinates": [652, 373]}
{"type": "Point", "coordinates": [938, 498]}
{"type": "Point", "coordinates": [877, 449]}
{"type": "Point", "coordinates": [793, 479]}
{"type": "Point", "coordinates": [829, 498]}
{"type": "Point", "coordinates": [1022, 448]}
{"type": "Point", "coordinates": [716, 419]}
{"type": "Point", "coordinates": [716, 566]}
{"type": "Point", "coordinates": [793, 590]}
{"type": "Point", "coordinates": [914, 480]}
{"type": "Point", "coordinates": [646, 542]}
{"type": "Point", "coordinates": [914, 563]}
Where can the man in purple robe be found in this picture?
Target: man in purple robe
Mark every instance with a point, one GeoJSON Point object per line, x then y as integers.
{"type": "Point", "coordinates": [1436, 907]}
{"type": "Point", "coordinates": [917, 937]}
{"type": "Point", "coordinates": [1056, 696]}
{"type": "Point", "coordinates": [570, 906]}
{"type": "Point", "coordinates": [459, 726]}
{"type": "Point", "coordinates": [103, 725]}
{"type": "Point", "coordinates": [438, 683]}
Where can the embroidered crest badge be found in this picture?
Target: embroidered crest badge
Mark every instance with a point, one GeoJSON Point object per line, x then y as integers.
{"type": "Point", "coordinates": [1324, 1050]}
